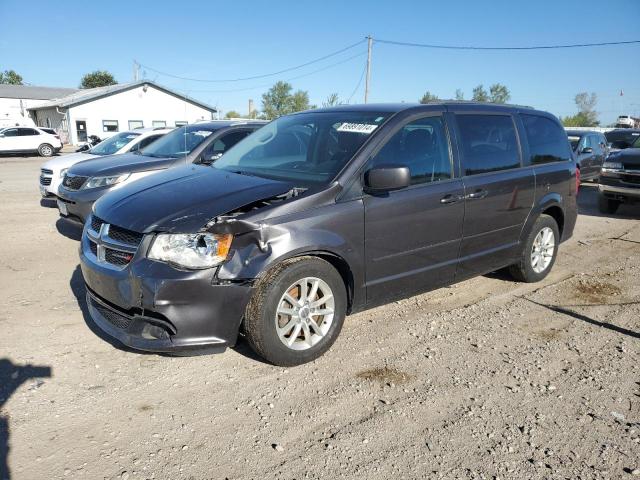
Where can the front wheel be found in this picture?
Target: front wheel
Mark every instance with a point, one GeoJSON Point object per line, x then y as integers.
{"type": "Point", "coordinates": [539, 251]}
{"type": "Point", "coordinates": [45, 150]}
{"type": "Point", "coordinates": [296, 312]}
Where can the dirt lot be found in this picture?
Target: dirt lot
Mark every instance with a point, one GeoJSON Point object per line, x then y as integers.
{"type": "Point", "coordinates": [486, 379]}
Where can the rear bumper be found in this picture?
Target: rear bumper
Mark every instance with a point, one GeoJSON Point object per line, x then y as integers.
{"type": "Point", "coordinates": [620, 192]}
{"type": "Point", "coordinates": [154, 307]}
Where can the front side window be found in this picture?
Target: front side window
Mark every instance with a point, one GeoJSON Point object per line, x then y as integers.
{"type": "Point", "coordinates": [224, 143]}
{"type": "Point", "coordinates": [307, 148]}
{"type": "Point", "coordinates": [109, 125]}
{"type": "Point", "coordinates": [421, 146]}
{"type": "Point", "coordinates": [11, 132]}
{"type": "Point", "coordinates": [145, 141]}
{"type": "Point", "coordinates": [112, 144]}
{"type": "Point", "coordinates": [179, 142]}
{"type": "Point", "coordinates": [547, 140]}
{"type": "Point", "coordinates": [488, 143]}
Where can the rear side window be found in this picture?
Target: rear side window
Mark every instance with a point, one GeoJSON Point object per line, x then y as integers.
{"type": "Point", "coordinates": [421, 146]}
{"type": "Point", "coordinates": [27, 132]}
{"type": "Point", "coordinates": [488, 143]}
{"type": "Point", "coordinates": [547, 140]}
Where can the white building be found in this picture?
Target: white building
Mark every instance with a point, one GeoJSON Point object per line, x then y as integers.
{"type": "Point", "coordinates": [105, 110]}
{"type": "Point", "coordinates": [15, 101]}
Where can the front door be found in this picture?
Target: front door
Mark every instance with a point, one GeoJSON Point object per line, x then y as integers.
{"type": "Point", "coordinates": [412, 236]}
{"type": "Point", "coordinates": [498, 192]}
{"type": "Point", "coordinates": [81, 130]}
{"type": "Point", "coordinates": [10, 141]}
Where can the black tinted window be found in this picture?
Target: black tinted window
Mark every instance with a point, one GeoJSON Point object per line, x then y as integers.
{"type": "Point", "coordinates": [488, 143]}
{"type": "Point", "coordinates": [11, 133]}
{"type": "Point", "coordinates": [548, 141]}
{"type": "Point", "coordinates": [146, 141]}
{"type": "Point", "coordinates": [422, 147]}
{"type": "Point", "coordinates": [27, 132]}
{"type": "Point", "coordinates": [225, 142]}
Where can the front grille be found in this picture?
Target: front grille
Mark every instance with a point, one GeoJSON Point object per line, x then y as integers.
{"type": "Point", "coordinates": [93, 247]}
{"type": "Point", "coordinates": [116, 257]}
{"type": "Point", "coordinates": [46, 171]}
{"type": "Point", "coordinates": [114, 318]}
{"type": "Point", "coordinates": [73, 182]}
{"type": "Point", "coordinates": [96, 223]}
{"type": "Point", "coordinates": [125, 236]}
{"type": "Point", "coordinates": [46, 181]}
{"type": "Point", "coordinates": [631, 179]}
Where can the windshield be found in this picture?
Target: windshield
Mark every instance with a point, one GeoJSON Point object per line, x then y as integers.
{"type": "Point", "coordinates": [621, 139]}
{"type": "Point", "coordinates": [112, 144]}
{"type": "Point", "coordinates": [307, 148]}
{"type": "Point", "coordinates": [179, 142]}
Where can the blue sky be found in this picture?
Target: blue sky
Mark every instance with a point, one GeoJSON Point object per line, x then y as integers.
{"type": "Point", "coordinates": [55, 43]}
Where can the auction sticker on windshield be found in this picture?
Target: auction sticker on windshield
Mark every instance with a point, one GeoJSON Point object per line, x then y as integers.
{"type": "Point", "coordinates": [357, 128]}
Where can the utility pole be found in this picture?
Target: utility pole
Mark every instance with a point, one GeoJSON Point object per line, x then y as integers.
{"type": "Point", "coordinates": [368, 79]}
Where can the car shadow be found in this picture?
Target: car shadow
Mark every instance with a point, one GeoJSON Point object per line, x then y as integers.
{"type": "Point", "coordinates": [69, 229]}
{"type": "Point", "coordinates": [11, 377]}
{"type": "Point", "coordinates": [588, 204]}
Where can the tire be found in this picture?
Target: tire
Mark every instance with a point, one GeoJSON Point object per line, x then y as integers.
{"type": "Point", "coordinates": [45, 150]}
{"type": "Point", "coordinates": [606, 205]}
{"type": "Point", "coordinates": [531, 267]}
{"type": "Point", "coordinates": [264, 311]}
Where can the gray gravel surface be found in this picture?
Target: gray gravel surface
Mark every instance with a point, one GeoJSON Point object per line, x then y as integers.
{"type": "Point", "coordinates": [486, 379]}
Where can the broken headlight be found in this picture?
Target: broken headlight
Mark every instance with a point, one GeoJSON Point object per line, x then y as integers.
{"type": "Point", "coordinates": [191, 250]}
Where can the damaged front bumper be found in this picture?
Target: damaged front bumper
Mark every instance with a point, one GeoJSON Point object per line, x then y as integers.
{"type": "Point", "coordinates": [154, 307]}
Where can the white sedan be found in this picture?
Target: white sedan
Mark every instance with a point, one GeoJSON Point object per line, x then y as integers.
{"type": "Point", "coordinates": [52, 172]}
{"type": "Point", "coordinates": [29, 140]}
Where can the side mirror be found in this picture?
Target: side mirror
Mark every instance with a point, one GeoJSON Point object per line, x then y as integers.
{"type": "Point", "coordinates": [208, 159]}
{"type": "Point", "coordinates": [387, 177]}
{"type": "Point", "coordinates": [587, 150]}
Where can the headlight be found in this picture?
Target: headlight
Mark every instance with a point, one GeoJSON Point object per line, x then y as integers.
{"type": "Point", "coordinates": [194, 250]}
{"type": "Point", "coordinates": [95, 182]}
{"type": "Point", "coordinates": [62, 172]}
{"type": "Point", "coordinates": [612, 165]}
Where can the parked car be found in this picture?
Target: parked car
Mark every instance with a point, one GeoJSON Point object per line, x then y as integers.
{"type": "Point", "coordinates": [621, 138]}
{"type": "Point", "coordinates": [591, 150]}
{"type": "Point", "coordinates": [324, 213]}
{"type": "Point", "coordinates": [201, 142]}
{"type": "Point", "coordinates": [29, 140]}
{"type": "Point", "coordinates": [620, 179]}
{"type": "Point", "coordinates": [52, 171]}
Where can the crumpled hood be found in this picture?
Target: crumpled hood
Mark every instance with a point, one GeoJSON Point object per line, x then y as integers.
{"type": "Point", "coordinates": [119, 164]}
{"type": "Point", "coordinates": [183, 199]}
{"type": "Point", "coordinates": [66, 161]}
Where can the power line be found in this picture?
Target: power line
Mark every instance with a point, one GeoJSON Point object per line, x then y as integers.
{"type": "Point", "coordinates": [359, 83]}
{"type": "Point", "coordinates": [244, 89]}
{"type": "Point", "coordinates": [254, 77]}
{"type": "Point", "coordinates": [536, 47]}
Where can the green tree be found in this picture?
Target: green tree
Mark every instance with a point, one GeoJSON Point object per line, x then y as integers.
{"type": "Point", "coordinates": [498, 93]}
{"type": "Point", "coordinates": [332, 100]}
{"type": "Point", "coordinates": [459, 94]}
{"type": "Point", "coordinates": [10, 77]}
{"type": "Point", "coordinates": [233, 114]}
{"type": "Point", "coordinates": [280, 101]}
{"type": "Point", "coordinates": [429, 97]}
{"type": "Point", "coordinates": [586, 116]}
{"type": "Point", "coordinates": [480, 94]}
{"type": "Point", "coordinates": [99, 78]}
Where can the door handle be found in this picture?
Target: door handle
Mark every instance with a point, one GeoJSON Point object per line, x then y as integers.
{"type": "Point", "coordinates": [450, 199]}
{"type": "Point", "coordinates": [477, 194]}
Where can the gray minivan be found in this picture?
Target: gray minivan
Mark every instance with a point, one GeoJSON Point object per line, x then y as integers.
{"type": "Point", "coordinates": [324, 213]}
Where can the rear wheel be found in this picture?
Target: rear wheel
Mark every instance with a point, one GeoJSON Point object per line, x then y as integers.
{"type": "Point", "coordinates": [45, 150]}
{"type": "Point", "coordinates": [296, 312]}
{"type": "Point", "coordinates": [539, 251]}
{"type": "Point", "coordinates": [607, 205]}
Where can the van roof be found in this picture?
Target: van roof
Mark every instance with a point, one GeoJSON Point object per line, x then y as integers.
{"type": "Point", "coordinates": [446, 104]}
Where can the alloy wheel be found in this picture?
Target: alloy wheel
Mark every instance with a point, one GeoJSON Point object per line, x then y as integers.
{"type": "Point", "coordinates": [543, 249]}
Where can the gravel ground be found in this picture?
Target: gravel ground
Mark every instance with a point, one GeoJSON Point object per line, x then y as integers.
{"type": "Point", "coordinates": [486, 379]}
